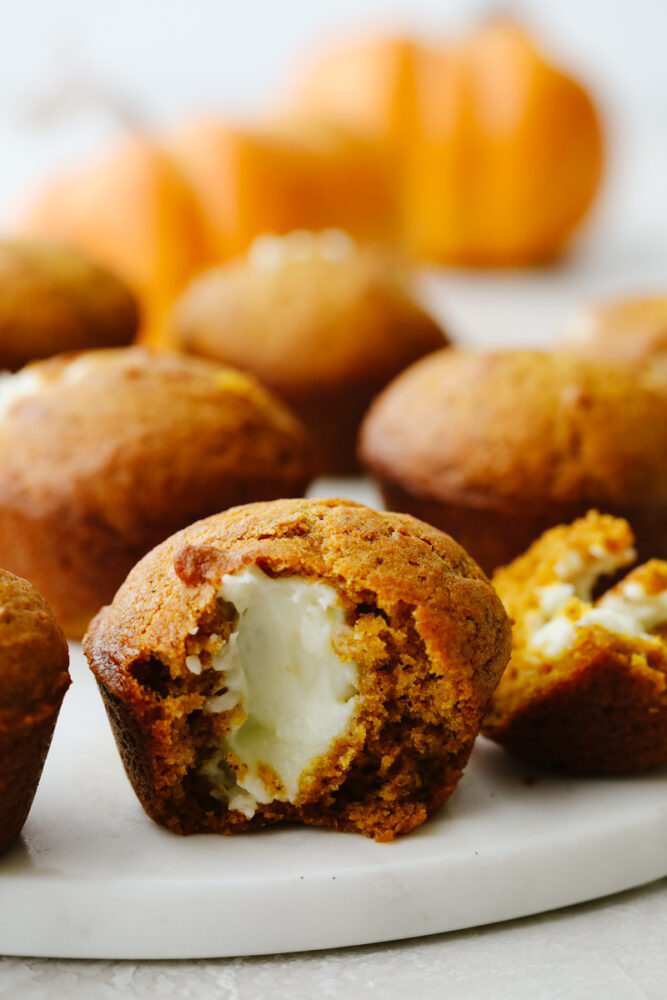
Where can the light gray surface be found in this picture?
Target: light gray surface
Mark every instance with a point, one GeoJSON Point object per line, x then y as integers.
{"type": "Point", "coordinates": [92, 877]}
{"type": "Point", "coordinates": [613, 949]}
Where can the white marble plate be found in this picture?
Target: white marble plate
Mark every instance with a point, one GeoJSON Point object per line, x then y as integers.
{"type": "Point", "coordinates": [92, 877]}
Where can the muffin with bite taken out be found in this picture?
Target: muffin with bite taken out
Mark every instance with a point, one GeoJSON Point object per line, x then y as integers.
{"type": "Point", "coordinates": [586, 687]}
{"type": "Point", "coordinates": [301, 660]}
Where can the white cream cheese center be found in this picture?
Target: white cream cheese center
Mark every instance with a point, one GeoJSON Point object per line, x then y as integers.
{"type": "Point", "coordinates": [296, 693]}
{"type": "Point", "coordinates": [627, 610]}
{"type": "Point", "coordinates": [18, 385]}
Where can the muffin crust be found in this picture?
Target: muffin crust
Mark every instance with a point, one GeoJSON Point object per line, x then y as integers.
{"type": "Point", "coordinates": [104, 454]}
{"type": "Point", "coordinates": [33, 680]}
{"type": "Point", "coordinates": [420, 625]}
{"type": "Point", "coordinates": [321, 321]}
{"type": "Point", "coordinates": [54, 299]}
{"type": "Point", "coordinates": [630, 332]}
{"type": "Point", "coordinates": [497, 447]}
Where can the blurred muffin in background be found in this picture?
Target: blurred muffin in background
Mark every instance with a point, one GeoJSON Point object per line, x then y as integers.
{"type": "Point", "coordinates": [496, 447]}
{"type": "Point", "coordinates": [33, 681]}
{"type": "Point", "coordinates": [53, 299]}
{"type": "Point", "coordinates": [158, 209]}
{"type": "Point", "coordinates": [303, 660]}
{"type": "Point", "coordinates": [104, 454]}
{"type": "Point", "coordinates": [322, 321]}
{"type": "Point", "coordinates": [131, 209]}
{"type": "Point", "coordinates": [631, 331]}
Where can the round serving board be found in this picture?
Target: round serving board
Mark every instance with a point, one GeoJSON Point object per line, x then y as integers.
{"type": "Point", "coordinates": [93, 877]}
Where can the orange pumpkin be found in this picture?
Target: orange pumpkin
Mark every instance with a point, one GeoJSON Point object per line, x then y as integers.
{"type": "Point", "coordinates": [367, 85]}
{"type": "Point", "coordinates": [481, 154]}
{"type": "Point", "coordinates": [158, 210]}
{"type": "Point", "coordinates": [131, 210]}
{"type": "Point", "coordinates": [498, 154]}
{"type": "Point", "coordinates": [279, 177]}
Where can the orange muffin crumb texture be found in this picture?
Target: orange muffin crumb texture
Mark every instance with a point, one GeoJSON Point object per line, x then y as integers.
{"type": "Point", "coordinates": [586, 686]}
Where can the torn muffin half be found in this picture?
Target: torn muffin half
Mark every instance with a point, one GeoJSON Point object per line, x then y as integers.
{"type": "Point", "coordinates": [308, 660]}
{"type": "Point", "coordinates": [586, 686]}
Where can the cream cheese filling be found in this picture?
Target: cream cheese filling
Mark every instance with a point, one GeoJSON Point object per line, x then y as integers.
{"type": "Point", "coordinates": [576, 574]}
{"type": "Point", "coordinates": [627, 610]}
{"type": "Point", "coordinates": [295, 693]}
{"type": "Point", "coordinates": [566, 605]}
{"type": "Point", "coordinates": [18, 385]}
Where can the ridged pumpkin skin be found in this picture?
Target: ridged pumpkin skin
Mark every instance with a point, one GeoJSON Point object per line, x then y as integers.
{"type": "Point", "coordinates": [497, 153]}
{"type": "Point", "coordinates": [366, 84]}
{"type": "Point", "coordinates": [280, 176]}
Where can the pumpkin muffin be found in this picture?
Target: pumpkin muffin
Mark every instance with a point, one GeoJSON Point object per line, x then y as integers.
{"type": "Point", "coordinates": [631, 332]}
{"type": "Point", "coordinates": [33, 680]}
{"type": "Point", "coordinates": [496, 447]}
{"type": "Point", "coordinates": [54, 299]}
{"type": "Point", "coordinates": [105, 453]}
{"type": "Point", "coordinates": [309, 660]}
{"type": "Point", "coordinates": [586, 687]}
{"type": "Point", "coordinates": [323, 322]}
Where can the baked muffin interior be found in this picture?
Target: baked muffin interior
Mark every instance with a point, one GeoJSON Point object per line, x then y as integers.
{"type": "Point", "coordinates": [281, 683]}
{"type": "Point", "coordinates": [560, 572]}
{"type": "Point", "coordinates": [280, 693]}
{"type": "Point", "coordinates": [590, 673]}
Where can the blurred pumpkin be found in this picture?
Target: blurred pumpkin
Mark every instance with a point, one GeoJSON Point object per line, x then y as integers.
{"type": "Point", "coordinates": [132, 211]}
{"type": "Point", "coordinates": [157, 211]}
{"type": "Point", "coordinates": [282, 176]}
{"type": "Point", "coordinates": [367, 85]}
{"type": "Point", "coordinates": [483, 154]}
{"type": "Point", "coordinates": [497, 153]}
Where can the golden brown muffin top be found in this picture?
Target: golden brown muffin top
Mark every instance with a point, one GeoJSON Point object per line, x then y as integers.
{"type": "Point", "coordinates": [390, 563]}
{"type": "Point", "coordinates": [307, 310]}
{"type": "Point", "coordinates": [52, 299]}
{"type": "Point", "coordinates": [631, 332]}
{"type": "Point", "coordinates": [519, 426]}
{"type": "Point", "coordinates": [131, 438]}
{"type": "Point", "coordinates": [33, 652]}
